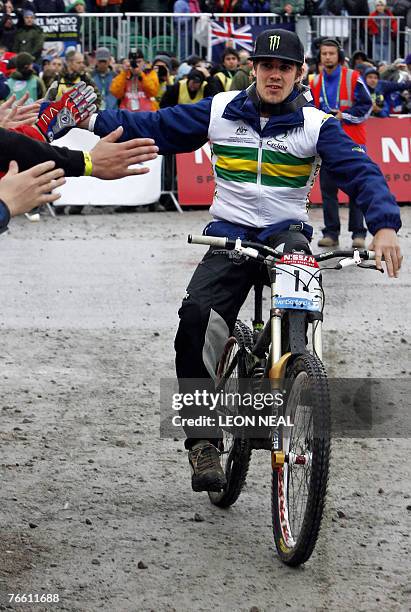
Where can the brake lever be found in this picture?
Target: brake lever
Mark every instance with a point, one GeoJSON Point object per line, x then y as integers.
{"type": "Point", "coordinates": [373, 267]}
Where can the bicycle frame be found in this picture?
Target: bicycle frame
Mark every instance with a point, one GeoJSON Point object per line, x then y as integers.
{"type": "Point", "coordinates": [271, 332]}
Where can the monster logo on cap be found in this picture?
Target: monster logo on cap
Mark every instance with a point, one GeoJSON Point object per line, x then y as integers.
{"type": "Point", "coordinates": [278, 43]}
{"type": "Point", "coordinates": [274, 42]}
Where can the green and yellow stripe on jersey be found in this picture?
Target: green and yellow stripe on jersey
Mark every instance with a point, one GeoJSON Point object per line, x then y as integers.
{"type": "Point", "coordinates": [240, 164]}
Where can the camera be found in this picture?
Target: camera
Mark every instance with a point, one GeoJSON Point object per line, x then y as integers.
{"type": "Point", "coordinates": [379, 100]}
{"type": "Point", "coordinates": [132, 56]}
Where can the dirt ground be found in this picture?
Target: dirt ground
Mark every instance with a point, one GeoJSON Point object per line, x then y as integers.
{"type": "Point", "coordinates": [97, 509]}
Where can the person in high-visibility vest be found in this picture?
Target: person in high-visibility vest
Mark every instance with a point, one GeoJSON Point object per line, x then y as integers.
{"type": "Point", "coordinates": [341, 92]}
{"type": "Point", "coordinates": [195, 87]}
{"type": "Point", "coordinates": [230, 62]}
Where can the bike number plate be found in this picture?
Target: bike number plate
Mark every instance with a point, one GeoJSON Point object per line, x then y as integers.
{"type": "Point", "coordinates": [297, 283]}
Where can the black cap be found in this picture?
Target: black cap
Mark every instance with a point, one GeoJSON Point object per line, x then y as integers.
{"type": "Point", "coordinates": [279, 44]}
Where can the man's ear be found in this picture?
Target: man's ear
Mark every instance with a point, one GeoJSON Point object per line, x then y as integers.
{"type": "Point", "coordinates": [299, 75]}
{"type": "Point", "coordinates": [254, 69]}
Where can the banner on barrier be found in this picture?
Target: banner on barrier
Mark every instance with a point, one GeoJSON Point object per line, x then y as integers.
{"type": "Point", "coordinates": [61, 33]}
{"type": "Point", "coordinates": [88, 190]}
{"type": "Point", "coordinates": [388, 145]}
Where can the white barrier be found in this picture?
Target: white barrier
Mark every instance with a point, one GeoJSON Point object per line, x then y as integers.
{"type": "Point", "coordinates": [87, 190]}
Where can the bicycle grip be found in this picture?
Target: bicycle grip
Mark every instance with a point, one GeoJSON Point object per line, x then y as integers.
{"type": "Point", "coordinates": [209, 240]}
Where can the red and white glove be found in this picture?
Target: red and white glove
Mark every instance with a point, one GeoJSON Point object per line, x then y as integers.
{"type": "Point", "coordinates": [57, 118]}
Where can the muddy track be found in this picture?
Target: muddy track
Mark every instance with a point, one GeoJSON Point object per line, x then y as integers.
{"type": "Point", "coordinates": [97, 509]}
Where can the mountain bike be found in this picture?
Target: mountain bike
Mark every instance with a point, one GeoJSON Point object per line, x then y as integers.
{"type": "Point", "coordinates": [276, 357]}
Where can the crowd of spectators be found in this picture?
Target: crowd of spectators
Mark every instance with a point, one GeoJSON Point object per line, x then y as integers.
{"type": "Point", "coordinates": [136, 84]}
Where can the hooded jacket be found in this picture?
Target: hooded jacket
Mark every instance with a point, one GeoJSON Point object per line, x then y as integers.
{"type": "Point", "coordinates": [292, 140]}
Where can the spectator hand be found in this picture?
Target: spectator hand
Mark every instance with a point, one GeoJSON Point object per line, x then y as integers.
{"type": "Point", "coordinates": [385, 244]}
{"type": "Point", "coordinates": [14, 114]}
{"type": "Point", "coordinates": [22, 191]}
{"type": "Point", "coordinates": [57, 118]}
{"type": "Point", "coordinates": [204, 70]}
{"type": "Point", "coordinates": [111, 160]}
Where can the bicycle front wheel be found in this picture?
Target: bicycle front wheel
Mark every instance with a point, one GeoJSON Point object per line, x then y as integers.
{"type": "Point", "coordinates": [299, 486]}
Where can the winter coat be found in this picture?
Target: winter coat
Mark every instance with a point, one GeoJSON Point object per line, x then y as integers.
{"type": "Point", "coordinates": [147, 82]}
{"type": "Point", "coordinates": [103, 83]}
{"type": "Point", "coordinates": [29, 39]}
{"type": "Point", "coordinates": [7, 35]}
{"type": "Point", "coordinates": [241, 79]}
{"type": "Point", "coordinates": [376, 27]}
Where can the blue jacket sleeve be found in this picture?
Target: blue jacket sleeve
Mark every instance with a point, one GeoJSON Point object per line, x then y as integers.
{"type": "Point", "coordinates": [387, 87]}
{"type": "Point", "coordinates": [4, 216]}
{"type": "Point", "coordinates": [4, 88]}
{"type": "Point", "coordinates": [356, 174]}
{"type": "Point", "coordinates": [179, 129]}
{"type": "Point", "coordinates": [361, 109]}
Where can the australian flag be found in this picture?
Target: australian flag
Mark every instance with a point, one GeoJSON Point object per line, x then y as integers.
{"type": "Point", "coordinates": [228, 32]}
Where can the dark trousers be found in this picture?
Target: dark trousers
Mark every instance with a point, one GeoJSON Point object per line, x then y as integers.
{"type": "Point", "coordinates": [331, 214]}
{"type": "Point", "coordinates": [215, 294]}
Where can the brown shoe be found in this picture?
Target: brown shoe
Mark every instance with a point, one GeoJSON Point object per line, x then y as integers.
{"type": "Point", "coordinates": [358, 243]}
{"type": "Point", "coordinates": [207, 473]}
{"type": "Point", "coordinates": [327, 241]}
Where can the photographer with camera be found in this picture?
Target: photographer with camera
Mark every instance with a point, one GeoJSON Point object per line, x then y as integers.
{"type": "Point", "coordinates": [163, 66]}
{"type": "Point", "coordinates": [380, 90]}
{"type": "Point", "coordinates": [137, 87]}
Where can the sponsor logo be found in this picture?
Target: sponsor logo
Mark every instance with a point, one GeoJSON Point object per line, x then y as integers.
{"type": "Point", "coordinates": [274, 42]}
{"type": "Point", "coordinates": [299, 258]}
{"type": "Point", "coordinates": [294, 303]}
{"type": "Point", "coordinates": [276, 145]}
{"type": "Point", "coordinates": [359, 149]}
{"type": "Point", "coordinates": [241, 130]}
{"type": "Point", "coordinates": [277, 142]}
{"type": "Point", "coordinates": [281, 137]}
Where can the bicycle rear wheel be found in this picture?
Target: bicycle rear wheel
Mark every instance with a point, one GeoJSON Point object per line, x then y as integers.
{"type": "Point", "coordinates": [299, 486]}
{"type": "Point", "coordinates": [235, 451]}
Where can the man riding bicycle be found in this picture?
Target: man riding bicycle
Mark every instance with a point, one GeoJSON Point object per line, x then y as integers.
{"type": "Point", "coordinates": [267, 143]}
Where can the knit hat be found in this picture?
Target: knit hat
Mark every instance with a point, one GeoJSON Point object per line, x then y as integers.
{"type": "Point", "coordinates": [28, 13]}
{"type": "Point", "coordinates": [408, 59]}
{"type": "Point", "coordinates": [371, 70]}
{"type": "Point", "coordinates": [102, 54]}
{"type": "Point", "coordinates": [23, 59]}
{"type": "Point", "coordinates": [163, 58]}
{"type": "Point", "coordinates": [73, 5]}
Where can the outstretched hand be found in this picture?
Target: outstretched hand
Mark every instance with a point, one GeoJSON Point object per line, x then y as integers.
{"type": "Point", "coordinates": [15, 114]}
{"type": "Point", "coordinates": [111, 159]}
{"type": "Point", "coordinates": [22, 191]}
{"type": "Point", "coordinates": [385, 244]}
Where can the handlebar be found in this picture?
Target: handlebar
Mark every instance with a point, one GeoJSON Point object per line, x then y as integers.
{"type": "Point", "coordinates": [247, 247]}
